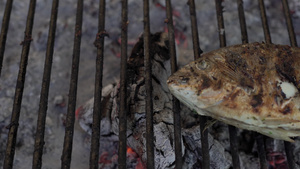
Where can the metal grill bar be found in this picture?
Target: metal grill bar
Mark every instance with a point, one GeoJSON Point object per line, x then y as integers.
{"type": "Point", "coordinates": [221, 28]}
{"type": "Point", "coordinates": [42, 113]}
{"type": "Point", "coordinates": [232, 130]}
{"type": "Point", "coordinates": [289, 23]}
{"type": "Point", "coordinates": [260, 139]}
{"type": "Point", "coordinates": [289, 154]}
{"type": "Point", "coordinates": [175, 102]}
{"type": "Point", "coordinates": [234, 147]}
{"type": "Point", "coordinates": [264, 21]}
{"type": "Point", "coordinates": [261, 151]}
{"type": "Point", "coordinates": [123, 89]}
{"type": "Point", "coordinates": [14, 123]}
{"type": "Point", "coordinates": [195, 36]}
{"type": "Point", "coordinates": [288, 146]}
{"type": "Point", "coordinates": [242, 21]}
{"type": "Point", "coordinates": [70, 118]}
{"type": "Point", "coordinates": [148, 84]}
{"type": "Point", "coordinates": [197, 52]}
{"type": "Point", "coordinates": [4, 29]}
{"type": "Point", "coordinates": [99, 43]}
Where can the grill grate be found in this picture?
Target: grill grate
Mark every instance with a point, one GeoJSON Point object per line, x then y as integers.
{"type": "Point", "coordinates": [99, 43]}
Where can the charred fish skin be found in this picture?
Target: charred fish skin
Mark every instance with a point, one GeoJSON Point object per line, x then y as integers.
{"type": "Point", "coordinates": [251, 86]}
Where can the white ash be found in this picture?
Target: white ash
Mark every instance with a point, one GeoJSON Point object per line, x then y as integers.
{"type": "Point", "coordinates": [219, 157]}
{"type": "Point", "coordinates": [59, 99]}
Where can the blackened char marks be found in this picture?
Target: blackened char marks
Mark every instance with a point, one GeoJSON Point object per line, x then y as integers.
{"type": "Point", "coordinates": [286, 110]}
{"type": "Point", "coordinates": [262, 60]}
{"type": "Point", "coordinates": [256, 100]}
{"type": "Point", "coordinates": [240, 66]}
{"type": "Point", "coordinates": [247, 82]}
{"type": "Point", "coordinates": [236, 62]}
{"type": "Point", "coordinates": [206, 83]}
{"type": "Point", "coordinates": [193, 72]}
{"type": "Point", "coordinates": [288, 73]}
{"type": "Point", "coordinates": [284, 66]}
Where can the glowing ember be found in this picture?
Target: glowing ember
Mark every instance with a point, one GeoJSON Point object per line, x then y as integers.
{"type": "Point", "coordinates": [277, 160]}
{"type": "Point", "coordinates": [131, 154]}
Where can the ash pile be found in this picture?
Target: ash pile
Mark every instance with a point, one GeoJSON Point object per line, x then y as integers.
{"type": "Point", "coordinates": [208, 35]}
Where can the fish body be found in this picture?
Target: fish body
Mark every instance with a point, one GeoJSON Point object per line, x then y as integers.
{"type": "Point", "coordinates": [251, 86]}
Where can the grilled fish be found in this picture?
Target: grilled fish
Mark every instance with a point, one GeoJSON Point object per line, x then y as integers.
{"type": "Point", "coordinates": [251, 86]}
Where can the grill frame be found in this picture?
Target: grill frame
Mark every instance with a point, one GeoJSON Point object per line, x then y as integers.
{"type": "Point", "coordinates": [66, 157]}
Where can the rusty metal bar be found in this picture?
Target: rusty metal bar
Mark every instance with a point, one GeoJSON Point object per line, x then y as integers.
{"type": "Point", "coordinates": [99, 43]}
{"type": "Point", "coordinates": [70, 119]}
{"type": "Point", "coordinates": [232, 130]}
{"type": "Point", "coordinates": [260, 139]}
{"type": "Point", "coordinates": [234, 147]}
{"type": "Point", "coordinates": [197, 53]}
{"type": "Point", "coordinates": [264, 21]}
{"type": "Point", "coordinates": [289, 23]}
{"type": "Point", "coordinates": [289, 146]}
{"type": "Point", "coordinates": [195, 35]}
{"type": "Point", "coordinates": [176, 103]}
{"type": "Point", "coordinates": [221, 28]}
{"type": "Point", "coordinates": [204, 143]}
{"type": "Point", "coordinates": [4, 29]}
{"type": "Point", "coordinates": [148, 83]}
{"type": "Point", "coordinates": [261, 151]}
{"type": "Point", "coordinates": [40, 130]}
{"type": "Point", "coordinates": [14, 123]}
{"type": "Point", "coordinates": [242, 21]}
{"type": "Point", "coordinates": [123, 88]}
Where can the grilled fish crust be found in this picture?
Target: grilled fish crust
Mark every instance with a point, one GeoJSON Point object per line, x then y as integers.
{"type": "Point", "coordinates": [251, 86]}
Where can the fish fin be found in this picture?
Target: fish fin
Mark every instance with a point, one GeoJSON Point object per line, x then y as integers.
{"type": "Point", "coordinates": [226, 70]}
{"type": "Point", "coordinates": [233, 73]}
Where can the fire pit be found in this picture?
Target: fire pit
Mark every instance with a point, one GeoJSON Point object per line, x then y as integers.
{"type": "Point", "coordinates": [193, 26]}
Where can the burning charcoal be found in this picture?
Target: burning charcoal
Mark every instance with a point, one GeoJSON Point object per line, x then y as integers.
{"type": "Point", "coordinates": [163, 115]}
{"type": "Point", "coordinates": [219, 157]}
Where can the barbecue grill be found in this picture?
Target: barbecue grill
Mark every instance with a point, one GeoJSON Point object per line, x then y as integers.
{"type": "Point", "coordinates": [99, 42]}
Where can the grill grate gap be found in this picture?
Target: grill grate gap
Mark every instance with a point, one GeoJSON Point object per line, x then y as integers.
{"type": "Point", "coordinates": [4, 29]}
{"type": "Point", "coordinates": [70, 118]}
